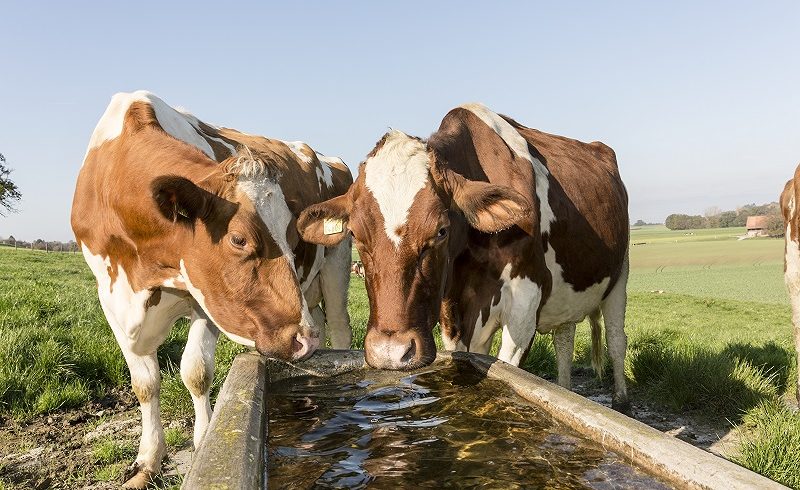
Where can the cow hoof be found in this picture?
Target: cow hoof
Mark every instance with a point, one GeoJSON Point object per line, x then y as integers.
{"type": "Point", "coordinates": [137, 477]}
{"type": "Point", "coordinates": [623, 407]}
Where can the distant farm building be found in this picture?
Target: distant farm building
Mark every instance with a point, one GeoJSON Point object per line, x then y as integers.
{"type": "Point", "coordinates": [757, 226]}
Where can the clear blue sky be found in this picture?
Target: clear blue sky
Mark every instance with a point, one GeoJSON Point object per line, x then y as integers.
{"type": "Point", "coordinates": [700, 100]}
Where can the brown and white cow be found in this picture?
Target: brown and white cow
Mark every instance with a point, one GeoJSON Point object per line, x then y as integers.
{"type": "Point", "coordinates": [789, 199]}
{"type": "Point", "coordinates": [487, 225]}
{"type": "Point", "coordinates": [177, 218]}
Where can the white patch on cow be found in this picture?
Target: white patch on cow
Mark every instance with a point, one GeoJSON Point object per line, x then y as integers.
{"type": "Point", "coordinates": [565, 305]}
{"type": "Point", "coordinates": [394, 176]}
{"type": "Point", "coordinates": [176, 282]}
{"type": "Point", "coordinates": [448, 343]}
{"type": "Point", "coordinates": [323, 170]}
{"type": "Point", "coordinates": [515, 311]}
{"type": "Point", "coordinates": [181, 126]}
{"type": "Point", "coordinates": [118, 297]}
{"type": "Point", "coordinates": [324, 174]}
{"type": "Point", "coordinates": [297, 148]}
{"type": "Point", "coordinates": [198, 296]}
{"type": "Point", "coordinates": [196, 124]}
{"type": "Point", "coordinates": [520, 299]}
{"type": "Point", "coordinates": [270, 203]}
{"type": "Point", "coordinates": [482, 334]}
{"type": "Point", "coordinates": [519, 146]}
{"type": "Point", "coordinates": [110, 124]}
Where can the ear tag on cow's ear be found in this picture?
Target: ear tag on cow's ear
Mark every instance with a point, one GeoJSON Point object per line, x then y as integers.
{"type": "Point", "coordinates": [332, 226]}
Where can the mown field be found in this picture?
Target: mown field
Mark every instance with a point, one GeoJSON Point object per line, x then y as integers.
{"type": "Point", "coordinates": [708, 323]}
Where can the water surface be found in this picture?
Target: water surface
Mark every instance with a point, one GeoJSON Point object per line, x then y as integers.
{"type": "Point", "coordinates": [443, 426]}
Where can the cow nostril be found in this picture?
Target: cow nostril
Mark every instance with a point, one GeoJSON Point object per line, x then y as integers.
{"type": "Point", "coordinates": [296, 344]}
{"type": "Point", "coordinates": [410, 353]}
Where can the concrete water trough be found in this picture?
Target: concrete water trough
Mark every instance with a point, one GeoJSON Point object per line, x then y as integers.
{"type": "Point", "coordinates": [234, 453]}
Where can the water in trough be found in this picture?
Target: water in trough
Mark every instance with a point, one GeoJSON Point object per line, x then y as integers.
{"type": "Point", "coordinates": [443, 426]}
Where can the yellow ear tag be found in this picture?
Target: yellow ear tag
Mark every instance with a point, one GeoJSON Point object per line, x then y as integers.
{"type": "Point", "coordinates": [331, 226]}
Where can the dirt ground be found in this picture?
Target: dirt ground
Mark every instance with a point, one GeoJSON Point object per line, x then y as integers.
{"type": "Point", "coordinates": [721, 439]}
{"type": "Point", "coordinates": [59, 450]}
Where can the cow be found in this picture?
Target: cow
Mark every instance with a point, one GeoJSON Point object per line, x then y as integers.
{"type": "Point", "coordinates": [486, 225]}
{"type": "Point", "coordinates": [178, 218]}
{"type": "Point", "coordinates": [791, 265]}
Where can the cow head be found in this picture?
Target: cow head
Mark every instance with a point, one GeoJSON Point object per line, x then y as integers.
{"type": "Point", "coordinates": [408, 214]}
{"type": "Point", "coordinates": [235, 235]}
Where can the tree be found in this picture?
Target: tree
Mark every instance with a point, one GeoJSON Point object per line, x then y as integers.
{"type": "Point", "coordinates": [775, 226]}
{"type": "Point", "coordinates": [685, 222]}
{"type": "Point", "coordinates": [727, 219]}
{"type": "Point", "coordinates": [9, 192]}
{"type": "Point", "coordinates": [639, 223]}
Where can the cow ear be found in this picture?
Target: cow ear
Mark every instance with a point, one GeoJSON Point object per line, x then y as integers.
{"type": "Point", "coordinates": [325, 223]}
{"type": "Point", "coordinates": [179, 199]}
{"type": "Point", "coordinates": [488, 207]}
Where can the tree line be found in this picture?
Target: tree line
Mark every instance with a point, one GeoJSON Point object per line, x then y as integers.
{"type": "Point", "coordinates": [39, 244]}
{"type": "Point", "coordinates": [716, 218]}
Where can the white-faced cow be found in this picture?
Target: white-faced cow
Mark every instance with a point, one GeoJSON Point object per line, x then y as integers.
{"type": "Point", "coordinates": [486, 225]}
{"type": "Point", "coordinates": [789, 199]}
{"type": "Point", "coordinates": [177, 218]}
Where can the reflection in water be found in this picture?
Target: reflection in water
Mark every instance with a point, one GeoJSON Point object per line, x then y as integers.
{"type": "Point", "coordinates": [443, 426]}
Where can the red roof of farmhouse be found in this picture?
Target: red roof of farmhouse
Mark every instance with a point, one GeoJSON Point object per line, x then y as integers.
{"type": "Point", "coordinates": [756, 222]}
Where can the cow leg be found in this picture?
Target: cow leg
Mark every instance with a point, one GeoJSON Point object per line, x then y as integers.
{"type": "Point", "coordinates": [319, 319]}
{"type": "Point", "coordinates": [146, 381]}
{"type": "Point", "coordinates": [139, 346]}
{"type": "Point", "coordinates": [519, 314]}
{"type": "Point", "coordinates": [613, 308]}
{"type": "Point", "coordinates": [197, 368]}
{"type": "Point", "coordinates": [515, 343]}
{"type": "Point", "coordinates": [792, 278]}
{"type": "Point", "coordinates": [313, 295]}
{"type": "Point", "coordinates": [335, 279]}
{"type": "Point", "coordinates": [564, 344]}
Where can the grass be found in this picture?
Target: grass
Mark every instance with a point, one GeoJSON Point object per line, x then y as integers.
{"type": "Point", "coordinates": [771, 442]}
{"type": "Point", "coordinates": [56, 349]}
{"type": "Point", "coordinates": [716, 342]}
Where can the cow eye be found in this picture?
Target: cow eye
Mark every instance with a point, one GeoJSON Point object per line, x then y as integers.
{"type": "Point", "coordinates": [441, 233]}
{"type": "Point", "coordinates": [238, 241]}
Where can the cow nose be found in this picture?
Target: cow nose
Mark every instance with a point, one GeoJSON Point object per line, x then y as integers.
{"type": "Point", "coordinates": [393, 350]}
{"type": "Point", "coordinates": [303, 346]}
{"type": "Point", "coordinates": [293, 343]}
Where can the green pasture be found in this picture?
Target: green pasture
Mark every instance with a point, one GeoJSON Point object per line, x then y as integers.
{"type": "Point", "coordinates": [708, 324]}
{"type": "Point", "coordinates": [707, 263]}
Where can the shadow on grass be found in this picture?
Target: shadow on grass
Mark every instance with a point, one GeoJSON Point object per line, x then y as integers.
{"type": "Point", "coordinates": [718, 383]}
{"type": "Point", "coordinates": [714, 383]}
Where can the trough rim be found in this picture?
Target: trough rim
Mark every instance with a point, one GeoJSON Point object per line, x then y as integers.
{"type": "Point", "coordinates": [229, 452]}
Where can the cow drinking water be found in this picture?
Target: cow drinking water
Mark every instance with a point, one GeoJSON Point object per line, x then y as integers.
{"type": "Point", "coordinates": [487, 225]}
{"type": "Point", "coordinates": [177, 218]}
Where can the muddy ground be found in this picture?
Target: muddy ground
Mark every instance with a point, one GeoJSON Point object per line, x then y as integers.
{"type": "Point", "coordinates": [87, 448]}
{"type": "Point", "coordinates": [60, 450]}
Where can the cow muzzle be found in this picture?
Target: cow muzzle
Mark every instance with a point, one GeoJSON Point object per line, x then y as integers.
{"type": "Point", "coordinates": [397, 350]}
{"type": "Point", "coordinates": [303, 346]}
{"type": "Point", "coordinates": [295, 343]}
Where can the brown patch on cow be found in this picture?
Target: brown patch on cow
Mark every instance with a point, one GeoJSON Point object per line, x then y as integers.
{"type": "Point", "coordinates": [146, 201]}
{"type": "Point", "coordinates": [198, 379]}
{"type": "Point", "coordinates": [154, 299]}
